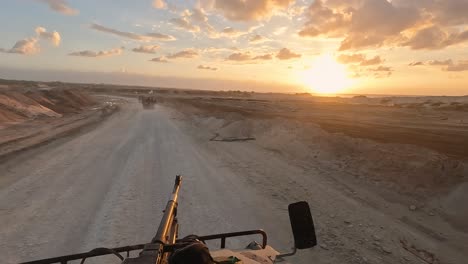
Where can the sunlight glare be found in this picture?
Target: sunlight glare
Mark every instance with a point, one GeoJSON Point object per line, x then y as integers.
{"type": "Point", "coordinates": [326, 76]}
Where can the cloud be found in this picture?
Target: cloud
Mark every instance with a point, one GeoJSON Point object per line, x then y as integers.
{"type": "Point", "coordinates": [201, 67]}
{"type": "Point", "coordinates": [232, 32]}
{"type": "Point", "coordinates": [449, 64]}
{"type": "Point", "coordinates": [373, 61]}
{"type": "Point", "coordinates": [159, 4]}
{"type": "Point", "coordinates": [130, 35]}
{"type": "Point", "coordinates": [381, 71]}
{"type": "Point", "coordinates": [353, 58]}
{"type": "Point", "coordinates": [151, 49]}
{"type": "Point", "coordinates": [247, 56]}
{"type": "Point", "coordinates": [435, 37]}
{"type": "Point", "coordinates": [381, 68]}
{"type": "Point", "coordinates": [416, 63]}
{"type": "Point", "coordinates": [60, 6]}
{"type": "Point", "coordinates": [449, 12]}
{"type": "Point", "coordinates": [431, 37]}
{"type": "Point", "coordinates": [118, 32]}
{"type": "Point", "coordinates": [188, 53]}
{"type": "Point", "coordinates": [422, 24]}
{"type": "Point", "coordinates": [159, 59]}
{"type": "Point", "coordinates": [375, 72]}
{"type": "Point", "coordinates": [438, 62]}
{"type": "Point", "coordinates": [460, 66]}
{"type": "Point", "coordinates": [257, 39]}
{"type": "Point", "coordinates": [28, 46]}
{"type": "Point", "coordinates": [54, 36]}
{"type": "Point", "coordinates": [286, 54]}
{"type": "Point", "coordinates": [184, 23]}
{"type": "Point", "coordinates": [228, 32]}
{"type": "Point", "coordinates": [359, 59]}
{"type": "Point", "coordinates": [96, 54]}
{"type": "Point", "coordinates": [376, 22]}
{"type": "Point", "coordinates": [216, 52]}
{"type": "Point", "coordinates": [241, 10]}
{"type": "Point", "coordinates": [323, 20]}
{"type": "Point", "coordinates": [239, 56]}
{"type": "Point", "coordinates": [195, 21]}
{"type": "Point", "coordinates": [280, 31]}
{"type": "Point", "coordinates": [219, 49]}
{"type": "Point", "coordinates": [263, 57]}
{"type": "Point", "coordinates": [159, 36]}
{"type": "Point", "coordinates": [199, 15]}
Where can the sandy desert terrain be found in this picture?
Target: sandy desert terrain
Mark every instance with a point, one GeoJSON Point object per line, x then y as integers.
{"type": "Point", "coordinates": [386, 177]}
{"type": "Point", "coordinates": [31, 115]}
{"type": "Point", "coordinates": [408, 163]}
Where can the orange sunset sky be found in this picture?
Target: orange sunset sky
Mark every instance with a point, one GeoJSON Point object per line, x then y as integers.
{"type": "Point", "coordinates": [328, 46]}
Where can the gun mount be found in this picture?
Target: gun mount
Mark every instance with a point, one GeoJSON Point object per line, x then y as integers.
{"type": "Point", "coordinates": [166, 244]}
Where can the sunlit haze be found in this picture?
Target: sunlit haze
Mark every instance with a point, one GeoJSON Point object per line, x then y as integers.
{"type": "Point", "coordinates": [326, 47]}
{"type": "Point", "coordinates": [326, 76]}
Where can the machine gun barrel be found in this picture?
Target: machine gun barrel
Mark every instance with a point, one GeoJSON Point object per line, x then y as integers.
{"type": "Point", "coordinates": [168, 229]}
{"type": "Point", "coordinates": [165, 233]}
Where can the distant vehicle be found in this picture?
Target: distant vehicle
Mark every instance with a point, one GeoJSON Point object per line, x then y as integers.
{"type": "Point", "coordinates": [166, 247]}
{"type": "Point", "coordinates": [148, 102]}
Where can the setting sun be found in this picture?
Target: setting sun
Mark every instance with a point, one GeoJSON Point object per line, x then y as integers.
{"type": "Point", "coordinates": [326, 76]}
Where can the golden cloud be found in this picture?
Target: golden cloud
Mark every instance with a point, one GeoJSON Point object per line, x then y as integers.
{"type": "Point", "coordinates": [241, 10]}
{"type": "Point", "coordinates": [358, 59]}
{"type": "Point", "coordinates": [202, 67]}
{"type": "Point", "coordinates": [286, 54]}
{"type": "Point", "coordinates": [432, 24]}
{"type": "Point", "coordinates": [134, 36]}
{"type": "Point", "coordinates": [54, 36]}
{"type": "Point", "coordinates": [28, 46]}
{"type": "Point", "coordinates": [248, 57]}
{"type": "Point", "coordinates": [97, 54]}
{"type": "Point", "coordinates": [184, 23]}
{"type": "Point", "coordinates": [188, 53]}
{"type": "Point", "coordinates": [150, 49]}
{"type": "Point", "coordinates": [159, 59]}
{"type": "Point", "coordinates": [159, 4]}
{"type": "Point", "coordinates": [60, 6]}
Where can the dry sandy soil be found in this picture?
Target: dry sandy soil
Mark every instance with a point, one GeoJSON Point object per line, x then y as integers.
{"type": "Point", "coordinates": [21, 104]}
{"type": "Point", "coordinates": [31, 116]}
{"type": "Point", "coordinates": [408, 163]}
{"type": "Point", "coordinates": [386, 181]}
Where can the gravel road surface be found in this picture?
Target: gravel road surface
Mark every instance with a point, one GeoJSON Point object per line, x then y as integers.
{"type": "Point", "coordinates": [107, 187]}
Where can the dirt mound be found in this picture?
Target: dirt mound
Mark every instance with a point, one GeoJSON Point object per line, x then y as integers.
{"type": "Point", "coordinates": [411, 170]}
{"type": "Point", "coordinates": [20, 104]}
{"type": "Point", "coordinates": [408, 167]}
{"type": "Point", "coordinates": [232, 126]}
{"type": "Point", "coordinates": [403, 167]}
{"type": "Point", "coordinates": [236, 129]}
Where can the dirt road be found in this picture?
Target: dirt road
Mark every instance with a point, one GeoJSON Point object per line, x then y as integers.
{"type": "Point", "coordinates": [107, 187]}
